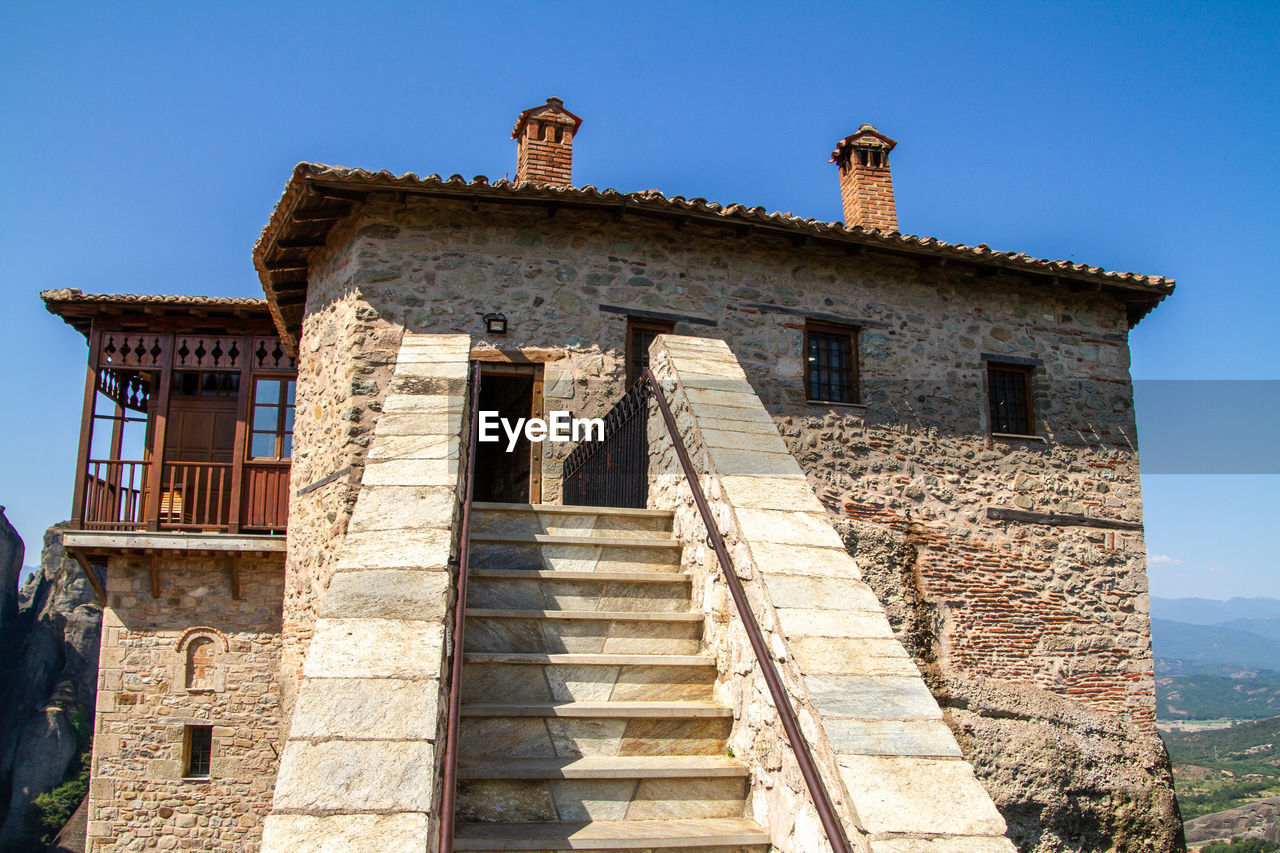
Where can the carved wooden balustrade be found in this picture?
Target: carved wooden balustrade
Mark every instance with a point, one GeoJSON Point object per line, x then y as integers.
{"type": "Point", "coordinates": [173, 438]}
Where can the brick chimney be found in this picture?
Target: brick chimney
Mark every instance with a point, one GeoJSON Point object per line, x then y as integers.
{"type": "Point", "coordinates": [865, 184]}
{"type": "Point", "coordinates": [544, 144]}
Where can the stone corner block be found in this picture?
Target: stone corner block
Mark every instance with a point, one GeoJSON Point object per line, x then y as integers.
{"type": "Point", "coordinates": [919, 795]}
{"type": "Point", "coordinates": [405, 832]}
{"type": "Point", "coordinates": [356, 776]}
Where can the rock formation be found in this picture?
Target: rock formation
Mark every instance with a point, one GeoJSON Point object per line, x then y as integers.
{"type": "Point", "coordinates": [1260, 819]}
{"type": "Point", "coordinates": [49, 646]}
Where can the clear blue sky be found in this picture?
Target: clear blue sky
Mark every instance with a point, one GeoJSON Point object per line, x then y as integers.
{"type": "Point", "coordinates": [145, 144]}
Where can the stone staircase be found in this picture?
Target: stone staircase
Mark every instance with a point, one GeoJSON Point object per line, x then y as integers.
{"type": "Point", "coordinates": [587, 713]}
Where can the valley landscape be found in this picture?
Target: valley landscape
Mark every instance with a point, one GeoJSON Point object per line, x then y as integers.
{"type": "Point", "coordinates": [1218, 707]}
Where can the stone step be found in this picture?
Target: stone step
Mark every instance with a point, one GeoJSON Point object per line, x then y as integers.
{"type": "Point", "coordinates": [666, 592]}
{"type": "Point", "coordinates": [677, 661]}
{"type": "Point", "coordinates": [545, 730]}
{"type": "Point", "coordinates": [645, 710]}
{"type": "Point", "coordinates": [541, 552]}
{"type": "Point", "coordinates": [601, 798]}
{"type": "Point", "coordinates": [708, 836]}
{"type": "Point", "coordinates": [508, 677]}
{"type": "Point", "coordinates": [581, 539]}
{"type": "Point", "coordinates": [582, 615]}
{"type": "Point", "coordinates": [605, 767]}
{"type": "Point", "coordinates": [573, 509]}
{"type": "Point", "coordinates": [589, 577]}
{"type": "Point", "coordinates": [568, 520]}
{"type": "Point", "coordinates": [582, 632]}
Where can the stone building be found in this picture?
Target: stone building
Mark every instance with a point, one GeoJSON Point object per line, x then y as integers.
{"type": "Point", "coordinates": [919, 459]}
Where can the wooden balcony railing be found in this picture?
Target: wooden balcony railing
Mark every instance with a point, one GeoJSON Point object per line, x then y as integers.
{"type": "Point", "coordinates": [195, 495]}
{"type": "Point", "coordinates": [114, 494]}
{"type": "Point", "coordinates": [191, 496]}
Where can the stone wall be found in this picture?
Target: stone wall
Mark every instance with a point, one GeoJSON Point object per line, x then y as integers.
{"type": "Point", "coordinates": [890, 764]}
{"type": "Point", "coordinates": [345, 358]}
{"type": "Point", "coordinates": [361, 749]}
{"type": "Point", "coordinates": [1062, 609]}
{"type": "Point", "coordinates": [917, 450]}
{"type": "Point", "coordinates": [138, 798]}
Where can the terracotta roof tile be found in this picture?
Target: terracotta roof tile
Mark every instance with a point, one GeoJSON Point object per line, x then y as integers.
{"type": "Point", "coordinates": [74, 295]}
{"type": "Point", "coordinates": [307, 178]}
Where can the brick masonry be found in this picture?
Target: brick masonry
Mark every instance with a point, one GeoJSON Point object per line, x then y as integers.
{"type": "Point", "coordinates": [866, 184]}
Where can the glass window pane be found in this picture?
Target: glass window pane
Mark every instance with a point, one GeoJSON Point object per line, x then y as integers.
{"type": "Point", "coordinates": [265, 418]}
{"type": "Point", "coordinates": [263, 446]}
{"type": "Point", "coordinates": [287, 452]}
{"type": "Point", "coordinates": [267, 391]}
{"type": "Point", "coordinates": [289, 393]}
{"type": "Point", "coordinates": [288, 419]}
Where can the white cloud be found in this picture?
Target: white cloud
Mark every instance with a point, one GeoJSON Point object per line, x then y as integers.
{"type": "Point", "coordinates": [1216, 569]}
{"type": "Point", "coordinates": [1163, 560]}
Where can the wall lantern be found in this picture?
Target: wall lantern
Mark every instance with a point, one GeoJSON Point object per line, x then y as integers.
{"type": "Point", "coordinates": [495, 324]}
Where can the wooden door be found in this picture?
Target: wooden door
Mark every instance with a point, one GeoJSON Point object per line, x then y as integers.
{"type": "Point", "coordinates": [199, 450]}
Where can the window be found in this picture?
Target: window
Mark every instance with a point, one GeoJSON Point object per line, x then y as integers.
{"type": "Point", "coordinates": [831, 363]}
{"type": "Point", "coordinates": [199, 749]}
{"type": "Point", "coordinates": [1009, 396]}
{"type": "Point", "coordinates": [271, 436]}
{"type": "Point", "coordinates": [190, 383]}
{"type": "Point", "coordinates": [640, 333]}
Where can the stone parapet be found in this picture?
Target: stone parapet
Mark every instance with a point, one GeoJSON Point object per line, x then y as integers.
{"type": "Point", "coordinates": [361, 754]}
{"type": "Point", "coordinates": [889, 761]}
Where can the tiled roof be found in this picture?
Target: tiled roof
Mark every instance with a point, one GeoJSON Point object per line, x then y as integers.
{"type": "Point", "coordinates": [314, 185]}
{"type": "Point", "coordinates": [79, 309]}
{"type": "Point", "coordinates": [74, 295]}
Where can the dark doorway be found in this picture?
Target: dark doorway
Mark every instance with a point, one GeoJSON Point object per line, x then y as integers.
{"type": "Point", "coordinates": [502, 476]}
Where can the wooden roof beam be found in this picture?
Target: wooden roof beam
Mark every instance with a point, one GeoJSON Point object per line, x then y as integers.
{"type": "Point", "coordinates": [325, 213]}
{"type": "Point", "coordinates": [300, 243]}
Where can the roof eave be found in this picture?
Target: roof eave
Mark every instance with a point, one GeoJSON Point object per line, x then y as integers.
{"type": "Point", "coordinates": [322, 185]}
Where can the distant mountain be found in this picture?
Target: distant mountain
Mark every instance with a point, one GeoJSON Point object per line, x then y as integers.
{"type": "Point", "coordinates": [1269, 628]}
{"type": "Point", "coordinates": [1208, 611]}
{"type": "Point", "coordinates": [1216, 697]}
{"type": "Point", "coordinates": [1182, 648]}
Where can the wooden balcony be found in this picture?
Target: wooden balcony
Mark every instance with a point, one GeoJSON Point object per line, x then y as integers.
{"type": "Point", "coordinates": [195, 496]}
{"type": "Point", "coordinates": [185, 432]}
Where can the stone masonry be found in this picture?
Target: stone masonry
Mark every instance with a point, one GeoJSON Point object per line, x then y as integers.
{"type": "Point", "coordinates": [360, 757]}
{"type": "Point", "coordinates": [194, 655]}
{"type": "Point", "coordinates": [889, 760]}
{"type": "Point", "coordinates": [914, 459]}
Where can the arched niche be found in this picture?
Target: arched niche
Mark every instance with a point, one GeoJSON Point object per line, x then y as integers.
{"type": "Point", "coordinates": [201, 660]}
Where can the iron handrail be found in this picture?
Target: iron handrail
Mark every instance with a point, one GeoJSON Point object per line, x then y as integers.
{"type": "Point", "coordinates": [799, 746]}
{"type": "Point", "coordinates": [448, 795]}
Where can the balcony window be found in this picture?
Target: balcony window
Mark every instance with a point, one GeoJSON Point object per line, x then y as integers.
{"type": "Point", "coordinates": [271, 436]}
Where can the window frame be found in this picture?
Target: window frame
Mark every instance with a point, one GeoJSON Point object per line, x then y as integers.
{"type": "Point", "coordinates": [188, 753]}
{"type": "Point", "coordinates": [282, 407]}
{"type": "Point", "coordinates": [1027, 372]}
{"type": "Point", "coordinates": [633, 354]}
{"type": "Point", "coordinates": [853, 380]}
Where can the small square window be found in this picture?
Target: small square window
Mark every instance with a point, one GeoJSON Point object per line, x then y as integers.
{"type": "Point", "coordinates": [1009, 399]}
{"type": "Point", "coordinates": [831, 363]}
{"type": "Point", "coordinates": [640, 334]}
{"type": "Point", "coordinates": [199, 752]}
